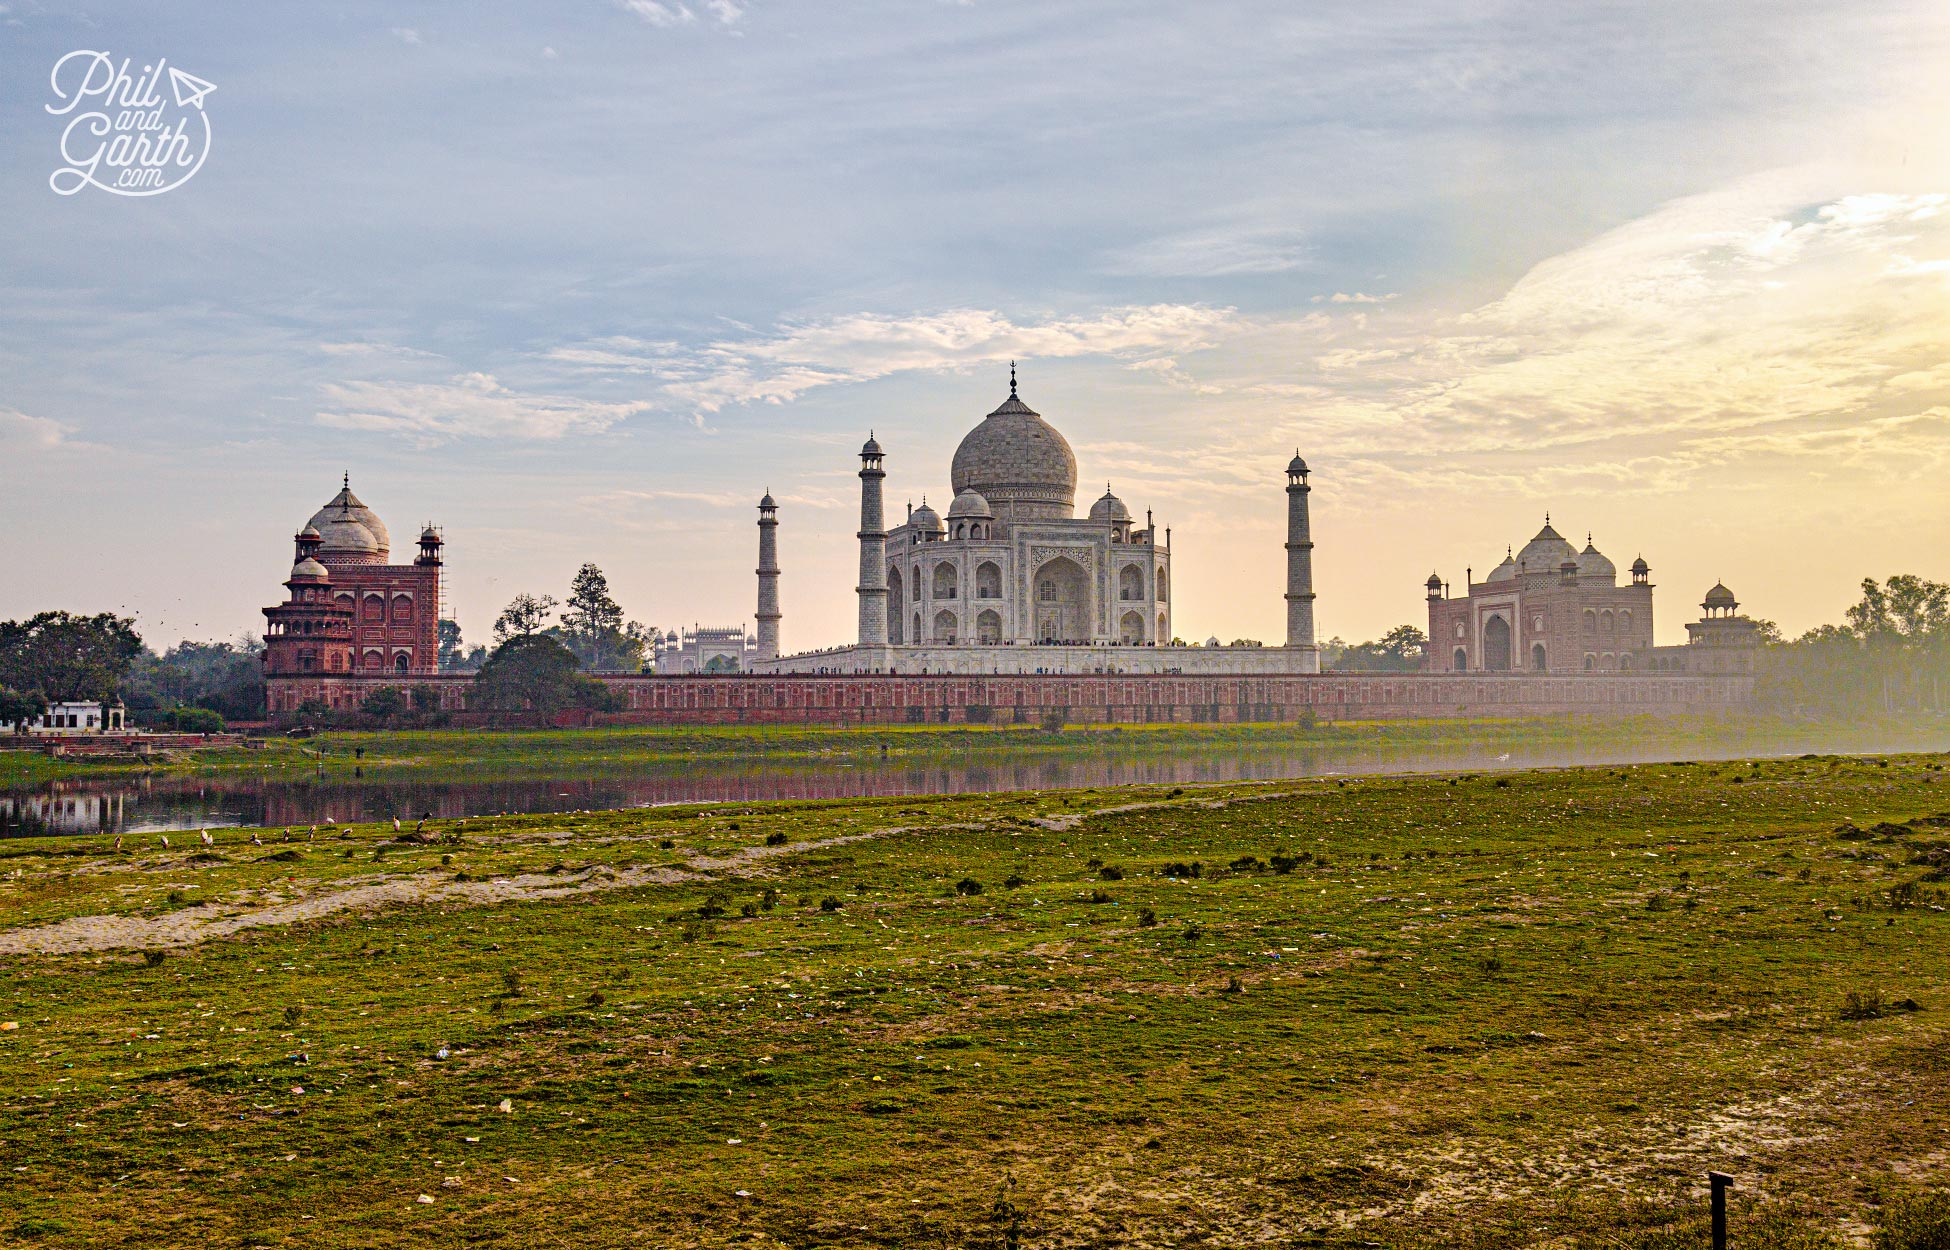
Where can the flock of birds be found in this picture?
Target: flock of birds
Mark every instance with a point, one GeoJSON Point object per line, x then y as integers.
{"type": "Point", "coordinates": [257, 839]}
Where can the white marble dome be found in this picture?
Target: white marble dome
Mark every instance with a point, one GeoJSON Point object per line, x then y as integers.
{"type": "Point", "coordinates": [1546, 553]}
{"type": "Point", "coordinates": [1593, 563]}
{"type": "Point", "coordinates": [926, 519]}
{"type": "Point", "coordinates": [971, 505]}
{"type": "Point", "coordinates": [1109, 508]}
{"type": "Point", "coordinates": [351, 531]}
{"type": "Point", "coordinates": [1019, 463]}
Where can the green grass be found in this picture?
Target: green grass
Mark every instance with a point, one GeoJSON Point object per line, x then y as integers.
{"type": "Point", "coordinates": [1530, 1009]}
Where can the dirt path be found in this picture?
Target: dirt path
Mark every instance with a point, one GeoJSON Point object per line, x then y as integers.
{"type": "Point", "coordinates": [191, 925]}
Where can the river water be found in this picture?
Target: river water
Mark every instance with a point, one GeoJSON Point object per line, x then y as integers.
{"type": "Point", "coordinates": [166, 802]}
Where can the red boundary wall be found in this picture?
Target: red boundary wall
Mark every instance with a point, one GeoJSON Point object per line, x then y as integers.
{"type": "Point", "coordinates": [1103, 699]}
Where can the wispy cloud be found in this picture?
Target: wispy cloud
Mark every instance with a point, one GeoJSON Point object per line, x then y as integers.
{"type": "Point", "coordinates": [470, 405]}
{"type": "Point", "coordinates": [1212, 254]}
{"type": "Point", "coordinates": [862, 347]}
{"type": "Point", "coordinates": [658, 13]}
{"type": "Point", "coordinates": [21, 433]}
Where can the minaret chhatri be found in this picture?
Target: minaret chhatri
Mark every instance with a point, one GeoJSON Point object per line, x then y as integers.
{"type": "Point", "coordinates": [873, 548]}
{"type": "Point", "coordinates": [768, 578]}
{"type": "Point", "coordinates": [1300, 569]}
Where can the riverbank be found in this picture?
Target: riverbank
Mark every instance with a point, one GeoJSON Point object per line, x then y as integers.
{"type": "Point", "coordinates": [1521, 1009]}
{"type": "Point", "coordinates": [492, 753]}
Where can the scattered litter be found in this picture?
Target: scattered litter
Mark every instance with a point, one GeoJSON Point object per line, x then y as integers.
{"type": "Point", "coordinates": [470, 1139]}
{"type": "Point", "coordinates": [744, 1193]}
{"type": "Point", "coordinates": [425, 1198]}
{"type": "Point", "coordinates": [8, 1026]}
{"type": "Point", "coordinates": [734, 1141]}
{"type": "Point", "coordinates": [506, 1104]}
{"type": "Point", "coordinates": [441, 1053]}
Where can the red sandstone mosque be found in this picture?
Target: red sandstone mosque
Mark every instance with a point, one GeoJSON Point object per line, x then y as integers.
{"type": "Point", "coordinates": [351, 612]}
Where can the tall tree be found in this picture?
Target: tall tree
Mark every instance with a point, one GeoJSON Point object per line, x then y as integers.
{"type": "Point", "coordinates": [64, 656]}
{"type": "Point", "coordinates": [450, 643]}
{"type": "Point", "coordinates": [593, 625]}
{"type": "Point", "coordinates": [526, 616]}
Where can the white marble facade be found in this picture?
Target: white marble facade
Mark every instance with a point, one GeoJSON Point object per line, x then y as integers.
{"type": "Point", "coordinates": [1011, 562]}
{"type": "Point", "coordinates": [1011, 580]}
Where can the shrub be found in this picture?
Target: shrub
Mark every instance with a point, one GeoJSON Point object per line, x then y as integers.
{"type": "Point", "coordinates": [1193, 932]}
{"type": "Point", "coordinates": [1245, 863]}
{"type": "Point", "coordinates": [1110, 872]}
{"type": "Point", "coordinates": [292, 1015]}
{"type": "Point", "coordinates": [666, 843]}
{"type": "Point", "coordinates": [967, 886]}
{"type": "Point", "coordinates": [830, 903]}
{"type": "Point", "coordinates": [595, 998]}
{"type": "Point", "coordinates": [511, 983]}
{"type": "Point", "coordinates": [1919, 1222]}
{"type": "Point", "coordinates": [1862, 1004]}
{"type": "Point", "coordinates": [768, 900]}
{"type": "Point", "coordinates": [153, 959]}
{"type": "Point", "coordinates": [1015, 881]}
{"type": "Point", "coordinates": [1147, 918]}
{"type": "Point", "coordinates": [1099, 896]}
{"type": "Point", "coordinates": [1233, 987]}
{"type": "Point", "coordinates": [1490, 964]}
{"type": "Point", "coordinates": [748, 910]}
{"type": "Point", "coordinates": [1658, 902]}
{"type": "Point", "coordinates": [772, 839]}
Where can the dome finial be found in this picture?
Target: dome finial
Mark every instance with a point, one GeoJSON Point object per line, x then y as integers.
{"type": "Point", "coordinates": [345, 482]}
{"type": "Point", "coordinates": [1012, 379]}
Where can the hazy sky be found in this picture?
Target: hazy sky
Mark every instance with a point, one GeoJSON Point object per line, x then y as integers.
{"type": "Point", "coordinates": [579, 280]}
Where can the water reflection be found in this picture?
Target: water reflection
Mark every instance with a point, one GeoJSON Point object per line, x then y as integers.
{"type": "Point", "coordinates": [165, 803]}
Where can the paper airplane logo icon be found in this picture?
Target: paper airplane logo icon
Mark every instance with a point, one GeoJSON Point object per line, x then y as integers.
{"type": "Point", "coordinates": [189, 89]}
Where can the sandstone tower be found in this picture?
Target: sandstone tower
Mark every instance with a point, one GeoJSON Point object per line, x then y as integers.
{"type": "Point", "coordinates": [768, 579]}
{"type": "Point", "coordinates": [1300, 569]}
{"type": "Point", "coordinates": [873, 548]}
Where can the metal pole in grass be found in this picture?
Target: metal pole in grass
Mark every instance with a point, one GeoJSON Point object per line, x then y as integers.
{"type": "Point", "coordinates": [1720, 1182]}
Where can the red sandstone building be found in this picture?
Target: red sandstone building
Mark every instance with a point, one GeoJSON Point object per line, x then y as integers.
{"type": "Point", "coordinates": [1549, 608]}
{"type": "Point", "coordinates": [350, 612]}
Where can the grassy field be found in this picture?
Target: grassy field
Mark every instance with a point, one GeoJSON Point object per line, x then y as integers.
{"type": "Point", "coordinates": [1523, 1010]}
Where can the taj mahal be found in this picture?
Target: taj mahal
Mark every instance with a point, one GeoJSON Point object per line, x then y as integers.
{"type": "Point", "coordinates": [1012, 580]}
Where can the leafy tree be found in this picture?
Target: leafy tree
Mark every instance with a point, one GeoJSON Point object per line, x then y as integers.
{"type": "Point", "coordinates": [450, 653]}
{"type": "Point", "coordinates": [525, 617]}
{"type": "Point", "coordinates": [384, 703]}
{"type": "Point", "coordinates": [593, 626]}
{"type": "Point", "coordinates": [227, 677]}
{"type": "Point", "coordinates": [1892, 656]}
{"type": "Point", "coordinates": [20, 706]}
{"type": "Point", "coordinates": [190, 720]}
{"type": "Point", "coordinates": [1400, 650]}
{"type": "Point", "coordinates": [536, 673]}
{"type": "Point", "coordinates": [68, 657]}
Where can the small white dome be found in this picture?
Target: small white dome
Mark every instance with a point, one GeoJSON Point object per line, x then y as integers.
{"type": "Point", "coordinates": [971, 505]}
{"type": "Point", "coordinates": [926, 519]}
{"type": "Point", "coordinates": [1109, 508]}
{"type": "Point", "coordinates": [1504, 571]}
{"type": "Point", "coordinates": [1592, 563]}
{"type": "Point", "coordinates": [309, 568]}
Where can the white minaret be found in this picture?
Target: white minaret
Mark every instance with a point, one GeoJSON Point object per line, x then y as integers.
{"type": "Point", "coordinates": [873, 549]}
{"type": "Point", "coordinates": [1300, 569]}
{"type": "Point", "coordinates": [768, 578]}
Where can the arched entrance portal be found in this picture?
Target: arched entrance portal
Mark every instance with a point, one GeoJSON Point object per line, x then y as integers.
{"type": "Point", "coordinates": [1496, 645]}
{"type": "Point", "coordinates": [1537, 657]}
{"type": "Point", "coordinates": [896, 608]}
{"type": "Point", "coordinates": [1062, 602]}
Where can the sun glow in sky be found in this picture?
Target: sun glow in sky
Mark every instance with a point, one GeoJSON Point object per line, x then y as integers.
{"type": "Point", "coordinates": [580, 281]}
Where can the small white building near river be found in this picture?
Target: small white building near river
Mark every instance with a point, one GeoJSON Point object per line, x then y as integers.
{"type": "Point", "coordinates": [71, 718]}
